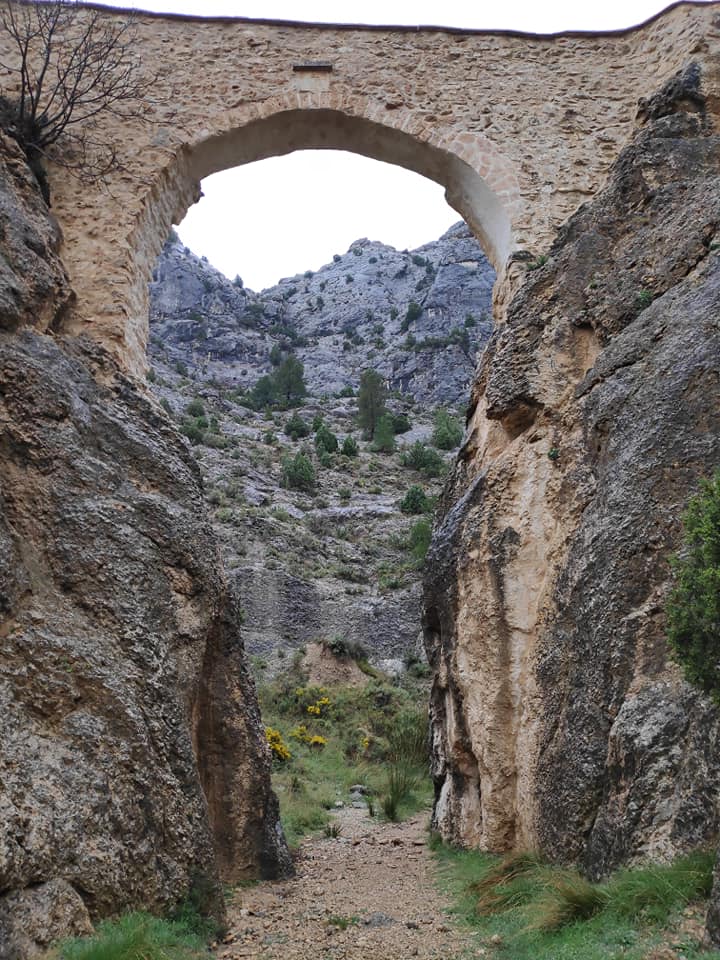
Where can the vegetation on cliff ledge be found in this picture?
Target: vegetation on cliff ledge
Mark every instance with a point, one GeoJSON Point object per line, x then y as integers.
{"type": "Point", "coordinates": [693, 611]}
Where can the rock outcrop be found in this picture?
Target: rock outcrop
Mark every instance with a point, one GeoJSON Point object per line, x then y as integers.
{"type": "Point", "coordinates": [350, 315]}
{"type": "Point", "coordinates": [133, 769]}
{"type": "Point", "coordinates": [560, 722]}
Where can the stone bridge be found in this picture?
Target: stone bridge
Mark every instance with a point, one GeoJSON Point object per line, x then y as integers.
{"type": "Point", "coordinates": [519, 129]}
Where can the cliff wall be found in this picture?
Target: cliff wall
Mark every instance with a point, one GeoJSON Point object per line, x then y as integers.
{"type": "Point", "coordinates": [560, 722]}
{"type": "Point", "coordinates": [132, 763]}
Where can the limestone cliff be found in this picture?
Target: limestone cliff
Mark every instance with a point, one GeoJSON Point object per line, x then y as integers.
{"type": "Point", "coordinates": [351, 314]}
{"type": "Point", "coordinates": [560, 722]}
{"type": "Point", "coordinates": [132, 762]}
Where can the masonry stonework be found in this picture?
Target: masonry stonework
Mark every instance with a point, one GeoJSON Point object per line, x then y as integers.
{"type": "Point", "coordinates": [519, 129]}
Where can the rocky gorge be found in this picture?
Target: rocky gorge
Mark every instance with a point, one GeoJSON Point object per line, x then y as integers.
{"type": "Point", "coordinates": [133, 767]}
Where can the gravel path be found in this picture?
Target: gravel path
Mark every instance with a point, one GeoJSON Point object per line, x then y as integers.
{"type": "Point", "coordinates": [370, 893]}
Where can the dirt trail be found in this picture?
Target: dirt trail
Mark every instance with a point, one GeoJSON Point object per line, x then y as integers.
{"type": "Point", "coordinates": [376, 880]}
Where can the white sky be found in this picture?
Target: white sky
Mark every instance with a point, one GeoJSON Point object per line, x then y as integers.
{"type": "Point", "coordinates": [284, 215]}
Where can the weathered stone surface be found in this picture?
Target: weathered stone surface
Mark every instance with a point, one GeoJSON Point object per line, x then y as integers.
{"type": "Point", "coordinates": [127, 709]}
{"type": "Point", "coordinates": [519, 129]}
{"type": "Point", "coordinates": [32, 920]}
{"type": "Point", "coordinates": [34, 288]}
{"type": "Point", "coordinates": [560, 722]}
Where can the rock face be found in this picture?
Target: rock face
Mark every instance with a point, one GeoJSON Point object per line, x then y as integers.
{"type": "Point", "coordinates": [560, 722]}
{"type": "Point", "coordinates": [350, 315]}
{"type": "Point", "coordinates": [132, 762]}
{"type": "Point", "coordinates": [34, 289]}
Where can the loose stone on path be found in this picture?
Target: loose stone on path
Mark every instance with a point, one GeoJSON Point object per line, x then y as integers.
{"type": "Point", "coordinates": [369, 893]}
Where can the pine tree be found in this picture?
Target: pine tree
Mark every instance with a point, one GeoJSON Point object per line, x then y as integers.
{"type": "Point", "coordinates": [289, 381]}
{"type": "Point", "coordinates": [371, 401]}
{"type": "Point", "coordinates": [384, 441]}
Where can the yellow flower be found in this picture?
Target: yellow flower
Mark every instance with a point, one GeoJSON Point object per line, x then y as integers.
{"type": "Point", "coordinates": [275, 742]}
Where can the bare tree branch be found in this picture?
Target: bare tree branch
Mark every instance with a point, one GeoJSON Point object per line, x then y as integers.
{"type": "Point", "coordinates": [72, 65]}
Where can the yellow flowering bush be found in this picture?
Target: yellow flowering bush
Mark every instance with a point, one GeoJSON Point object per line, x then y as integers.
{"type": "Point", "coordinates": [301, 733]}
{"type": "Point", "coordinates": [277, 746]}
{"type": "Point", "coordinates": [317, 742]}
{"type": "Point", "coordinates": [320, 707]}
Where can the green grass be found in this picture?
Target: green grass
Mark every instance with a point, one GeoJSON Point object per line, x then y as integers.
{"type": "Point", "coordinates": [539, 912]}
{"type": "Point", "coordinates": [374, 735]}
{"type": "Point", "coordinates": [136, 936]}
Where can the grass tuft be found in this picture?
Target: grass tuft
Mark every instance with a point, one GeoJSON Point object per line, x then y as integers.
{"type": "Point", "coordinates": [136, 936]}
{"type": "Point", "coordinates": [652, 892]}
{"type": "Point", "coordinates": [402, 779]}
{"type": "Point", "coordinates": [510, 882]}
{"type": "Point", "coordinates": [567, 899]}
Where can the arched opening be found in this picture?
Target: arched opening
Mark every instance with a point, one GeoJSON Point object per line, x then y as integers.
{"type": "Point", "coordinates": [477, 180]}
{"type": "Point", "coordinates": [287, 131]}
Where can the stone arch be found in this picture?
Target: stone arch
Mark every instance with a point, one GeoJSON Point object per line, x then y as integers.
{"type": "Point", "coordinates": [478, 182]}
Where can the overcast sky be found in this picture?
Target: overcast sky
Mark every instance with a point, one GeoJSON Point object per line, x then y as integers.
{"type": "Point", "coordinates": [287, 214]}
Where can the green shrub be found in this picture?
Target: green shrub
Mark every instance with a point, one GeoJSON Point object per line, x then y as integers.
{"type": "Point", "coordinates": [413, 311]}
{"type": "Point", "coordinates": [195, 408]}
{"type": "Point", "coordinates": [409, 738]}
{"type": "Point", "coordinates": [415, 501]}
{"type": "Point", "coordinates": [345, 649]}
{"type": "Point", "coordinates": [401, 423]}
{"type": "Point", "coordinates": [423, 459]}
{"type": "Point", "coordinates": [350, 447]}
{"type": "Point", "coordinates": [194, 912]}
{"type": "Point", "coordinates": [693, 608]}
{"type": "Point", "coordinates": [325, 440]}
{"type": "Point", "coordinates": [447, 431]}
{"type": "Point", "coordinates": [192, 431]}
{"type": "Point", "coordinates": [384, 437]}
{"type": "Point", "coordinates": [213, 440]}
{"type": "Point", "coordinates": [296, 427]}
{"type": "Point", "coordinates": [298, 473]}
